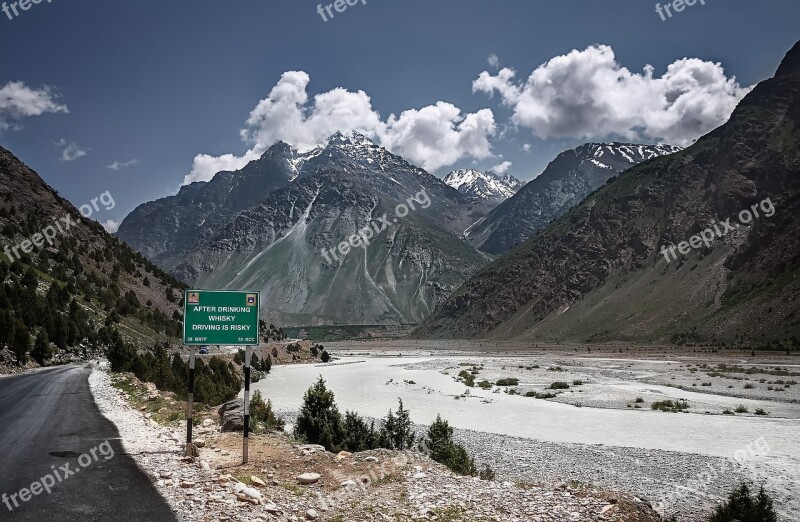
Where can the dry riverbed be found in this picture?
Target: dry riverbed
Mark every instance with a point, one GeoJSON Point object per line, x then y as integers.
{"type": "Point", "coordinates": [555, 415]}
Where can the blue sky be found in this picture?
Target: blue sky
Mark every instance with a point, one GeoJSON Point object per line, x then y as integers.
{"type": "Point", "coordinates": [152, 85]}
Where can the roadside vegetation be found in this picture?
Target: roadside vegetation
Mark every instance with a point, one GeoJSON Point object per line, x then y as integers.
{"type": "Point", "coordinates": [746, 506]}
{"type": "Point", "coordinates": [321, 422]}
{"type": "Point", "coordinates": [215, 382]}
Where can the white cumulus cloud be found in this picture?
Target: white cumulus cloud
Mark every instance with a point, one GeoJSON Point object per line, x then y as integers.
{"type": "Point", "coordinates": [588, 95]}
{"type": "Point", "coordinates": [502, 168]}
{"type": "Point", "coordinates": [18, 101]}
{"type": "Point", "coordinates": [493, 60]}
{"type": "Point", "coordinates": [432, 137]}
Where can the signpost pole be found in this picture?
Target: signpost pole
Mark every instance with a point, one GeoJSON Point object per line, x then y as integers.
{"type": "Point", "coordinates": [190, 404]}
{"type": "Point", "coordinates": [247, 358]}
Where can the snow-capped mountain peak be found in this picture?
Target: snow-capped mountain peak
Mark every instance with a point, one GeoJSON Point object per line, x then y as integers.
{"type": "Point", "coordinates": [483, 185]}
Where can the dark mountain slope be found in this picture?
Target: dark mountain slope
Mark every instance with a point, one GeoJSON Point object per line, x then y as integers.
{"type": "Point", "coordinates": [598, 273]}
{"type": "Point", "coordinates": [566, 181]}
{"type": "Point", "coordinates": [177, 222]}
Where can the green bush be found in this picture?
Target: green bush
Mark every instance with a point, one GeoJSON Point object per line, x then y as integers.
{"type": "Point", "coordinates": [467, 377]}
{"type": "Point", "coordinates": [396, 432]}
{"type": "Point", "coordinates": [670, 406]}
{"type": "Point", "coordinates": [319, 421]}
{"type": "Point", "coordinates": [261, 415]}
{"type": "Point", "coordinates": [743, 506]}
{"type": "Point", "coordinates": [546, 395]}
{"type": "Point", "coordinates": [439, 442]}
{"type": "Point", "coordinates": [359, 436]}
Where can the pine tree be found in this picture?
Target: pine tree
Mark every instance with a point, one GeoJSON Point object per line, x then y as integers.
{"type": "Point", "coordinates": [41, 348]}
{"type": "Point", "coordinates": [21, 343]}
{"type": "Point", "coordinates": [319, 421]}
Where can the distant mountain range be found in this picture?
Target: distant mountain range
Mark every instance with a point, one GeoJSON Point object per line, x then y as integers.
{"type": "Point", "coordinates": [598, 272]}
{"type": "Point", "coordinates": [266, 226]}
{"type": "Point", "coordinates": [486, 186]}
{"type": "Point", "coordinates": [566, 181]}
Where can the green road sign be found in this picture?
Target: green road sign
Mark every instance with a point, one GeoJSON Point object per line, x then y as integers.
{"type": "Point", "coordinates": [215, 317]}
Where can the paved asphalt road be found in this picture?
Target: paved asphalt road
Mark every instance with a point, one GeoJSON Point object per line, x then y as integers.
{"type": "Point", "coordinates": [47, 420]}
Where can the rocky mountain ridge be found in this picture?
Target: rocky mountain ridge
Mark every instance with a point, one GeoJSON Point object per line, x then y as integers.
{"type": "Point", "coordinates": [566, 181]}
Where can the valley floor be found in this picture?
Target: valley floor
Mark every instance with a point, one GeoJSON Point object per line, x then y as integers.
{"type": "Point", "coordinates": [368, 486]}
{"type": "Point", "coordinates": [602, 429]}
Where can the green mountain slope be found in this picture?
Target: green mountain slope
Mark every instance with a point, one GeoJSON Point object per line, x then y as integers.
{"type": "Point", "coordinates": [68, 298]}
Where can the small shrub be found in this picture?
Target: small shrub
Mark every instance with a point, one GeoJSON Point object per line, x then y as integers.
{"type": "Point", "coordinates": [577, 382]}
{"type": "Point", "coordinates": [486, 385]}
{"type": "Point", "coordinates": [741, 409]}
{"type": "Point", "coordinates": [439, 442]}
{"type": "Point", "coordinates": [639, 400]}
{"type": "Point", "coordinates": [510, 381]}
{"type": "Point", "coordinates": [748, 386]}
{"type": "Point", "coordinates": [670, 406]}
{"type": "Point", "coordinates": [535, 395]}
{"type": "Point", "coordinates": [467, 377]}
{"type": "Point", "coordinates": [486, 473]}
{"type": "Point", "coordinates": [761, 411]}
{"type": "Point", "coordinates": [559, 385]}
{"type": "Point", "coordinates": [743, 506]}
{"type": "Point", "coordinates": [262, 416]}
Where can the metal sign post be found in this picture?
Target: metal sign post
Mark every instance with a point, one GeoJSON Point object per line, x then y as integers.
{"type": "Point", "coordinates": [212, 317]}
{"type": "Point", "coordinates": [220, 318]}
{"type": "Point", "coordinates": [190, 406]}
{"type": "Point", "coordinates": [247, 358]}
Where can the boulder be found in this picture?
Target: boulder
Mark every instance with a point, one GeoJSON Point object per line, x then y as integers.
{"type": "Point", "coordinates": [308, 478]}
{"type": "Point", "coordinates": [231, 415]}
